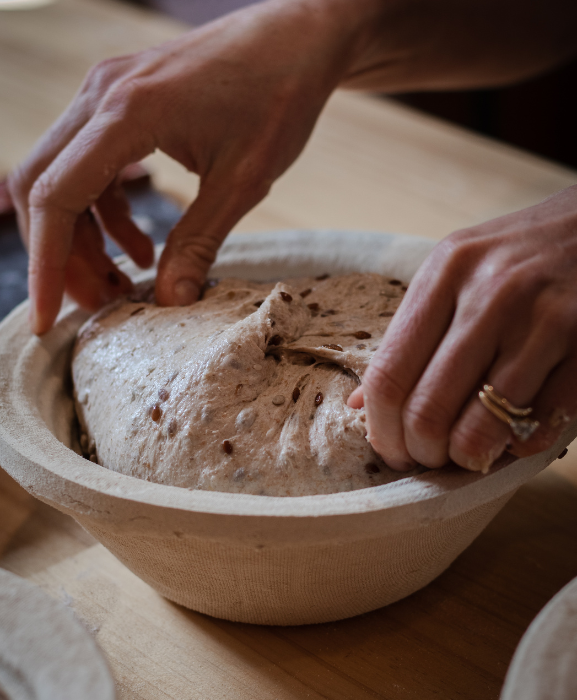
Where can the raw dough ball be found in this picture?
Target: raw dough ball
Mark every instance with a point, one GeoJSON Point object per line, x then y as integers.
{"type": "Point", "coordinates": [244, 391]}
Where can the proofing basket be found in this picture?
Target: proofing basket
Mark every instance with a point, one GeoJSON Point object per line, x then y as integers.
{"type": "Point", "coordinates": [256, 559]}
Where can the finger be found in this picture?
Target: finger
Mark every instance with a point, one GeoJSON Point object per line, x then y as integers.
{"type": "Point", "coordinates": [60, 133]}
{"type": "Point", "coordinates": [459, 365]}
{"type": "Point", "coordinates": [22, 178]}
{"type": "Point", "coordinates": [356, 399]}
{"type": "Point", "coordinates": [92, 279]}
{"type": "Point", "coordinates": [555, 407]}
{"type": "Point", "coordinates": [411, 339]}
{"type": "Point", "coordinates": [192, 245]}
{"type": "Point", "coordinates": [479, 437]}
{"type": "Point", "coordinates": [72, 183]}
{"type": "Point", "coordinates": [113, 211]}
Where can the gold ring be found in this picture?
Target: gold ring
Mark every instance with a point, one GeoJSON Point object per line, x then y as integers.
{"type": "Point", "coordinates": [516, 418]}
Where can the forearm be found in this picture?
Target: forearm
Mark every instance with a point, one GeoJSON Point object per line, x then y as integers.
{"type": "Point", "coordinates": [405, 45]}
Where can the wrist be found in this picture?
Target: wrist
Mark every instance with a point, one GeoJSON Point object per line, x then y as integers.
{"type": "Point", "coordinates": [345, 33]}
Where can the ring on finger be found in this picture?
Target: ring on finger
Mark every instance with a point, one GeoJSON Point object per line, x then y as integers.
{"type": "Point", "coordinates": [516, 418]}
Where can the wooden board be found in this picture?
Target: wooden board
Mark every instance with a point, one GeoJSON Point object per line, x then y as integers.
{"type": "Point", "coordinates": [452, 640]}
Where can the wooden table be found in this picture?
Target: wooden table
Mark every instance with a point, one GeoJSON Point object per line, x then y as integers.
{"type": "Point", "coordinates": [372, 165]}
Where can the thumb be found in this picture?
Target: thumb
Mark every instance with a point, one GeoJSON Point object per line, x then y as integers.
{"type": "Point", "coordinates": [193, 243]}
{"type": "Point", "coordinates": [356, 399]}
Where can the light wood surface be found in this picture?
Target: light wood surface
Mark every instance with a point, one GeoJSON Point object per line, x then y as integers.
{"type": "Point", "coordinates": [371, 165]}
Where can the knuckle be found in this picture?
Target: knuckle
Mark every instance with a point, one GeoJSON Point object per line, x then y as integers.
{"type": "Point", "coordinates": [459, 251]}
{"type": "Point", "coordinates": [42, 191]}
{"type": "Point", "coordinates": [427, 418]}
{"type": "Point", "coordinates": [102, 74]}
{"type": "Point", "coordinates": [251, 178]}
{"type": "Point", "coordinates": [18, 183]}
{"type": "Point", "coordinates": [380, 385]}
{"type": "Point", "coordinates": [479, 438]}
{"type": "Point", "coordinates": [200, 249]}
{"type": "Point", "coordinates": [127, 97]}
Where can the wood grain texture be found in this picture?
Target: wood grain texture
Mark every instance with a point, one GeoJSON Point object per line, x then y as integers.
{"type": "Point", "coordinates": [15, 507]}
{"type": "Point", "coordinates": [454, 639]}
{"type": "Point", "coordinates": [371, 164]}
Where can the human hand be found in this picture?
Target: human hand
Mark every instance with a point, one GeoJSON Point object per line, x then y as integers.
{"type": "Point", "coordinates": [234, 101]}
{"type": "Point", "coordinates": [497, 304]}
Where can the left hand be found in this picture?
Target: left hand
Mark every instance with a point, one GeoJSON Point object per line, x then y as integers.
{"type": "Point", "coordinates": [497, 304]}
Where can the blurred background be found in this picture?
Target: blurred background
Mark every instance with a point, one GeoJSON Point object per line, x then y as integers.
{"type": "Point", "coordinates": [539, 115]}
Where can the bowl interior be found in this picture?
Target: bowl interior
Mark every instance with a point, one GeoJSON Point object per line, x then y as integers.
{"type": "Point", "coordinates": [38, 436]}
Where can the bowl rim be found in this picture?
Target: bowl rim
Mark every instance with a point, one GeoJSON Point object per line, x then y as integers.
{"type": "Point", "coordinates": [43, 464]}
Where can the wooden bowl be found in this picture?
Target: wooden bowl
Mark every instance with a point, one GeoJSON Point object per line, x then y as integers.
{"type": "Point", "coordinates": [249, 558]}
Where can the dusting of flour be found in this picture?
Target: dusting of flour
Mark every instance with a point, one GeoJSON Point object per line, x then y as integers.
{"type": "Point", "coordinates": [244, 391]}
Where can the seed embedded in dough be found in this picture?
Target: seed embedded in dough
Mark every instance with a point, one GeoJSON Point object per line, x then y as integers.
{"type": "Point", "coordinates": [306, 292]}
{"type": "Point", "coordinates": [296, 394]}
{"type": "Point", "coordinates": [361, 346]}
{"type": "Point", "coordinates": [172, 428]}
{"type": "Point", "coordinates": [258, 304]}
{"type": "Point", "coordinates": [395, 283]}
{"type": "Point", "coordinates": [278, 400]}
{"type": "Point", "coordinates": [227, 447]}
{"type": "Point", "coordinates": [314, 307]}
{"type": "Point", "coordinates": [163, 394]}
{"type": "Point", "coordinates": [372, 468]}
{"type": "Point", "coordinates": [387, 314]}
{"type": "Point", "coordinates": [320, 278]}
{"type": "Point", "coordinates": [285, 296]}
{"type": "Point", "coordinates": [245, 418]}
{"type": "Point", "coordinates": [137, 311]}
{"type": "Point", "coordinates": [332, 346]}
{"type": "Point", "coordinates": [319, 398]}
{"type": "Point", "coordinates": [362, 335]}
{"type": "Point", "coordinates": [155, 413]}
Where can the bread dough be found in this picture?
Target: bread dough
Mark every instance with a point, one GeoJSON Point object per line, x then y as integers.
{"type": "Point", "coordinates": [244, 391]}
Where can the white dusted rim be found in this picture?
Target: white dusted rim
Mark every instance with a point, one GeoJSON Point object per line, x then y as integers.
{"type": "Point", "coordinates": [545, 663]}
{"type": "Point", "coordinates": [37, 417]}
{"type": "Point", "coordinates": [45, 653]}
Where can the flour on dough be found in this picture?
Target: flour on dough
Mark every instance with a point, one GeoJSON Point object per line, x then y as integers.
{"type": "Point", "coordinates": [244, 391]}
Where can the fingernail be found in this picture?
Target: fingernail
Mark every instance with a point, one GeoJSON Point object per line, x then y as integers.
{"type": "Point", "coordinates": [478, 463]}
{"type": "Point", "coordinates": [185, 292]}
{"type": "Point", "coordinates": [32, 317]}
{"type": "Point", "coordinates": [356, 399]}
{"type": "Point", "coordinates": [400, 466]}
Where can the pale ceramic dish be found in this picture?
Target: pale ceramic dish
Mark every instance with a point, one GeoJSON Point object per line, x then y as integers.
{"type": "Point", "coordinates": [45, 653]}
{"type": "Point", "coordinates": [255, 559]}
{"type": "Point", "coordinates": [545, 664]}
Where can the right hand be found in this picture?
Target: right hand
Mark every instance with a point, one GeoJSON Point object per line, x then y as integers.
{"type": "Point", "coordinates": [234, 101]}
